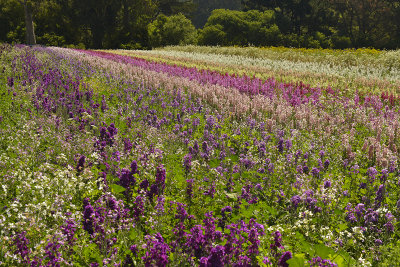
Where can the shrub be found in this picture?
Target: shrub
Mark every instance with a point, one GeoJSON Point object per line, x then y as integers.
{"type": "Point", "coordinates": [212, 35]}
{"type": "Point", "coordinates": [341, 42]}
{"type": "Point", "coordinates": [173, 30]}
{"type": "Point", "coordinates": [51, 39]}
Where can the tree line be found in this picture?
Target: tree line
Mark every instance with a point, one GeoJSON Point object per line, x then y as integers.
{"type": "Point", "coordinates": [142, 24]}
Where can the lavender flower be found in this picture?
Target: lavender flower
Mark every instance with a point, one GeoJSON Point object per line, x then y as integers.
{"type": "Point", "coordinates": [88, 214]}
{"type": "Point", "coordinates": [295, 200]}
{"type": "Point", "coordinates": [318, 261]}
{"type": "Point", "coordinates": [21, 243]}
{"type": "Point", "coordinates": [10, 81]}
{"type": "Point", "coordinates": [216, 257]}
{"type": "Point", "coordinates": [81, 163]}
{"type": "Point", "coordinates": [157, 251]}
{"type": "Point", "coordinates": [187, 162]}
{"type": "Point", "coordinates": [282, 262]}
{"type": "Point", "coordinates": [189, 189]}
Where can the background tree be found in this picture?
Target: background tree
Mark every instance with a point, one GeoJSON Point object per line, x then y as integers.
{"type": "Point", "coordinates": [205, 7]}
{"type": "Point", "coordinates": [173, 30]}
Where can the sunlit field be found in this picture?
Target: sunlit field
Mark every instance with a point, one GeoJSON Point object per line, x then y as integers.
{"type": "Point", "coordinates": [199, 156]}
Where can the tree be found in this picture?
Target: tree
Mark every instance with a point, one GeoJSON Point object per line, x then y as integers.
{"type": "Point", "coordinates": [173, 7]}
{"type": "Point", "coordinates": [366, 22]}
{"type": "Point", "coordinates": [30, 29]}
{"type": "Point", "coordinates": [205, 7]}
{"type": "Point", "coordinates": [99, 15]}
{"type": "Point", "coordinates": [173, 30]}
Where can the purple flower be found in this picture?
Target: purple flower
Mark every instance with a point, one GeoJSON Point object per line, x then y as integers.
{"type": "Point", "coordinates": [160, 178]}
{"type": "Point", "coordinates": [138, 208]}
{"type": "Point", "coordinates": [88, 214]}
{"type": "Point", "coordinates": [315, 172]}
{"type": "Point", "coordinates": [21, 243]}
{"type": "Point", "coordinates": [284, 258]}
{"type": "Point", "coordinates": [134, 167]}
{"type": "Point", "coordinates": [379, 196]}
{"type": "Point", "coordinates": [81, 163]}
{"type": "Point", "coordinates": [187, 162]}
{"type": "Point", "coordinates": [306, 169]}
{"type": "Point", "coordinates": [280, 145]}
{"type": "Point", "coordinates": [277, 242]}
{"type": "Point", "coordinates": [216, 257]}
{"type": "Point", "coordinates": [126, 179]}
{"type": "Point", "coordinates": [318, 261]}
{"type": "Point", "coordinates": [267, 261]}
{"type": "Point", "coordinates": [372, 172]}
{"type": "Point", "coordinates": [10, 81]}
{"type": "Point", "coordinates": [144, 184]}
{"type": "Point", "coordinates": [327, 184]}
{"type": "Point", "coordinates": [326, 163]}
{"type": "Point", "coordinates": [133, 249]}
{"type": "Point", "coordinates": [295, 200]}
{"type": "Point", "coordinates": [203, 262]}
{"type": "Point", "coordinates": [196, 240]}
{"type": "Point", "coordinates": [288, 144]}
{"type": "Point", "coordinates": [189, 188]}
{"type": "Point", "coordinates": [157, 251]}
{"type": "Point", "coordinates": [127, 145]}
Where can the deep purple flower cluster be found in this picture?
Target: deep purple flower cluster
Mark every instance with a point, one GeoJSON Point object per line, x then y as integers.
{"type": "Point", "coordinates": [107, 136]}
{"type": "Point", "coordinates": [53, 253]}
{"type": "Point", "coordinates": [189, 189]}
{"type": "Point", "coordinates": [88, 213]}
{"type": "Point", "coordinates": [21, 243]}
{"type": "Point", "coordinates": [81, 164]}
{"type": "Point", "coordinates": [157, 251]}
{"type": "Point", "coordinates": [126, 179]}
{"type": "Point", "coordinates": [319, 262]}
{"type": "Point", "coordinates": [187, 162]}
{"type": "Point", "coordinates": [10, 81]}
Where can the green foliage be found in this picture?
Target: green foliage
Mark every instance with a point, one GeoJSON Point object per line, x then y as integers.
{"type": "Point", "coordinates": [341, 42]}
{"type": "Point", "coordinates": [228, 27]}
{"type": "Point", "coordinates": [212, 35]}
{"type": "Point", "coordinates": [390, 255]}
{"type": "Point", "coordinates": [51, 39]}
{"type": "Point", "coordinates": [173, 30]}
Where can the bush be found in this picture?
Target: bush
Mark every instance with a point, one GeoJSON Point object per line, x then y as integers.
{"type": "Point", "coordinates": [212, 35]}
{"type": "Point", "coordinates": [231, 27]}
{"type": "Point", "coordinates": [173, 30]}
{"type": "Point", "coordinates": [323, 40]}
{"type": "Point", "coordinates": [51, 39]}
{"type": "Point", "coordinates": [341, 42]}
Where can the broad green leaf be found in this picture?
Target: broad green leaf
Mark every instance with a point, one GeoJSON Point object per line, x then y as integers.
{"type": "Point", "coordinates": [117, 188]}
{"type": "Point", "coordinates": [297, 261]}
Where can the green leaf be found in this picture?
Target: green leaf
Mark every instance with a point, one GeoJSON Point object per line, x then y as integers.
{"type": "Point", "coordinates": [214, 163]}
{"type": "Point", "coordinates": [271, 210]}
{"type": "Point", "coordinates": [297, 261]}
{"type": "Point", "coordinates": [132, 234]}
{"type": "Point", "coordinates": [324, 251]}
{"type": "Point", "coordinates": [342, 226]}
{"type": "Point", "coordinates": [117, 188]}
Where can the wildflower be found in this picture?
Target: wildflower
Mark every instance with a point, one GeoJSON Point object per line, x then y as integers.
{"type": "Point", "coordinates": [295, 200]}
{"type": "Point", "coordinates": [284, 258]}
{"type": "Point", "coordinates": [327, 184]}
{"type": "Point", "coordinates": [21, 243]}
{"type": "Point", "coordinates": [81, 163]}
{"type": "Point", "coordinates": [318, 261]}
{"type": "Point", "coordinates": [10, 81]}
{"type": "Point", "coordinates": [187, 162]}
{"type": "Point", "coordinates": [189, 188]}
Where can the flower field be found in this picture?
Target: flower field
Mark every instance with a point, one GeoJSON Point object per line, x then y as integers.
{"type": "Point", "coordinates": [190, 156]}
